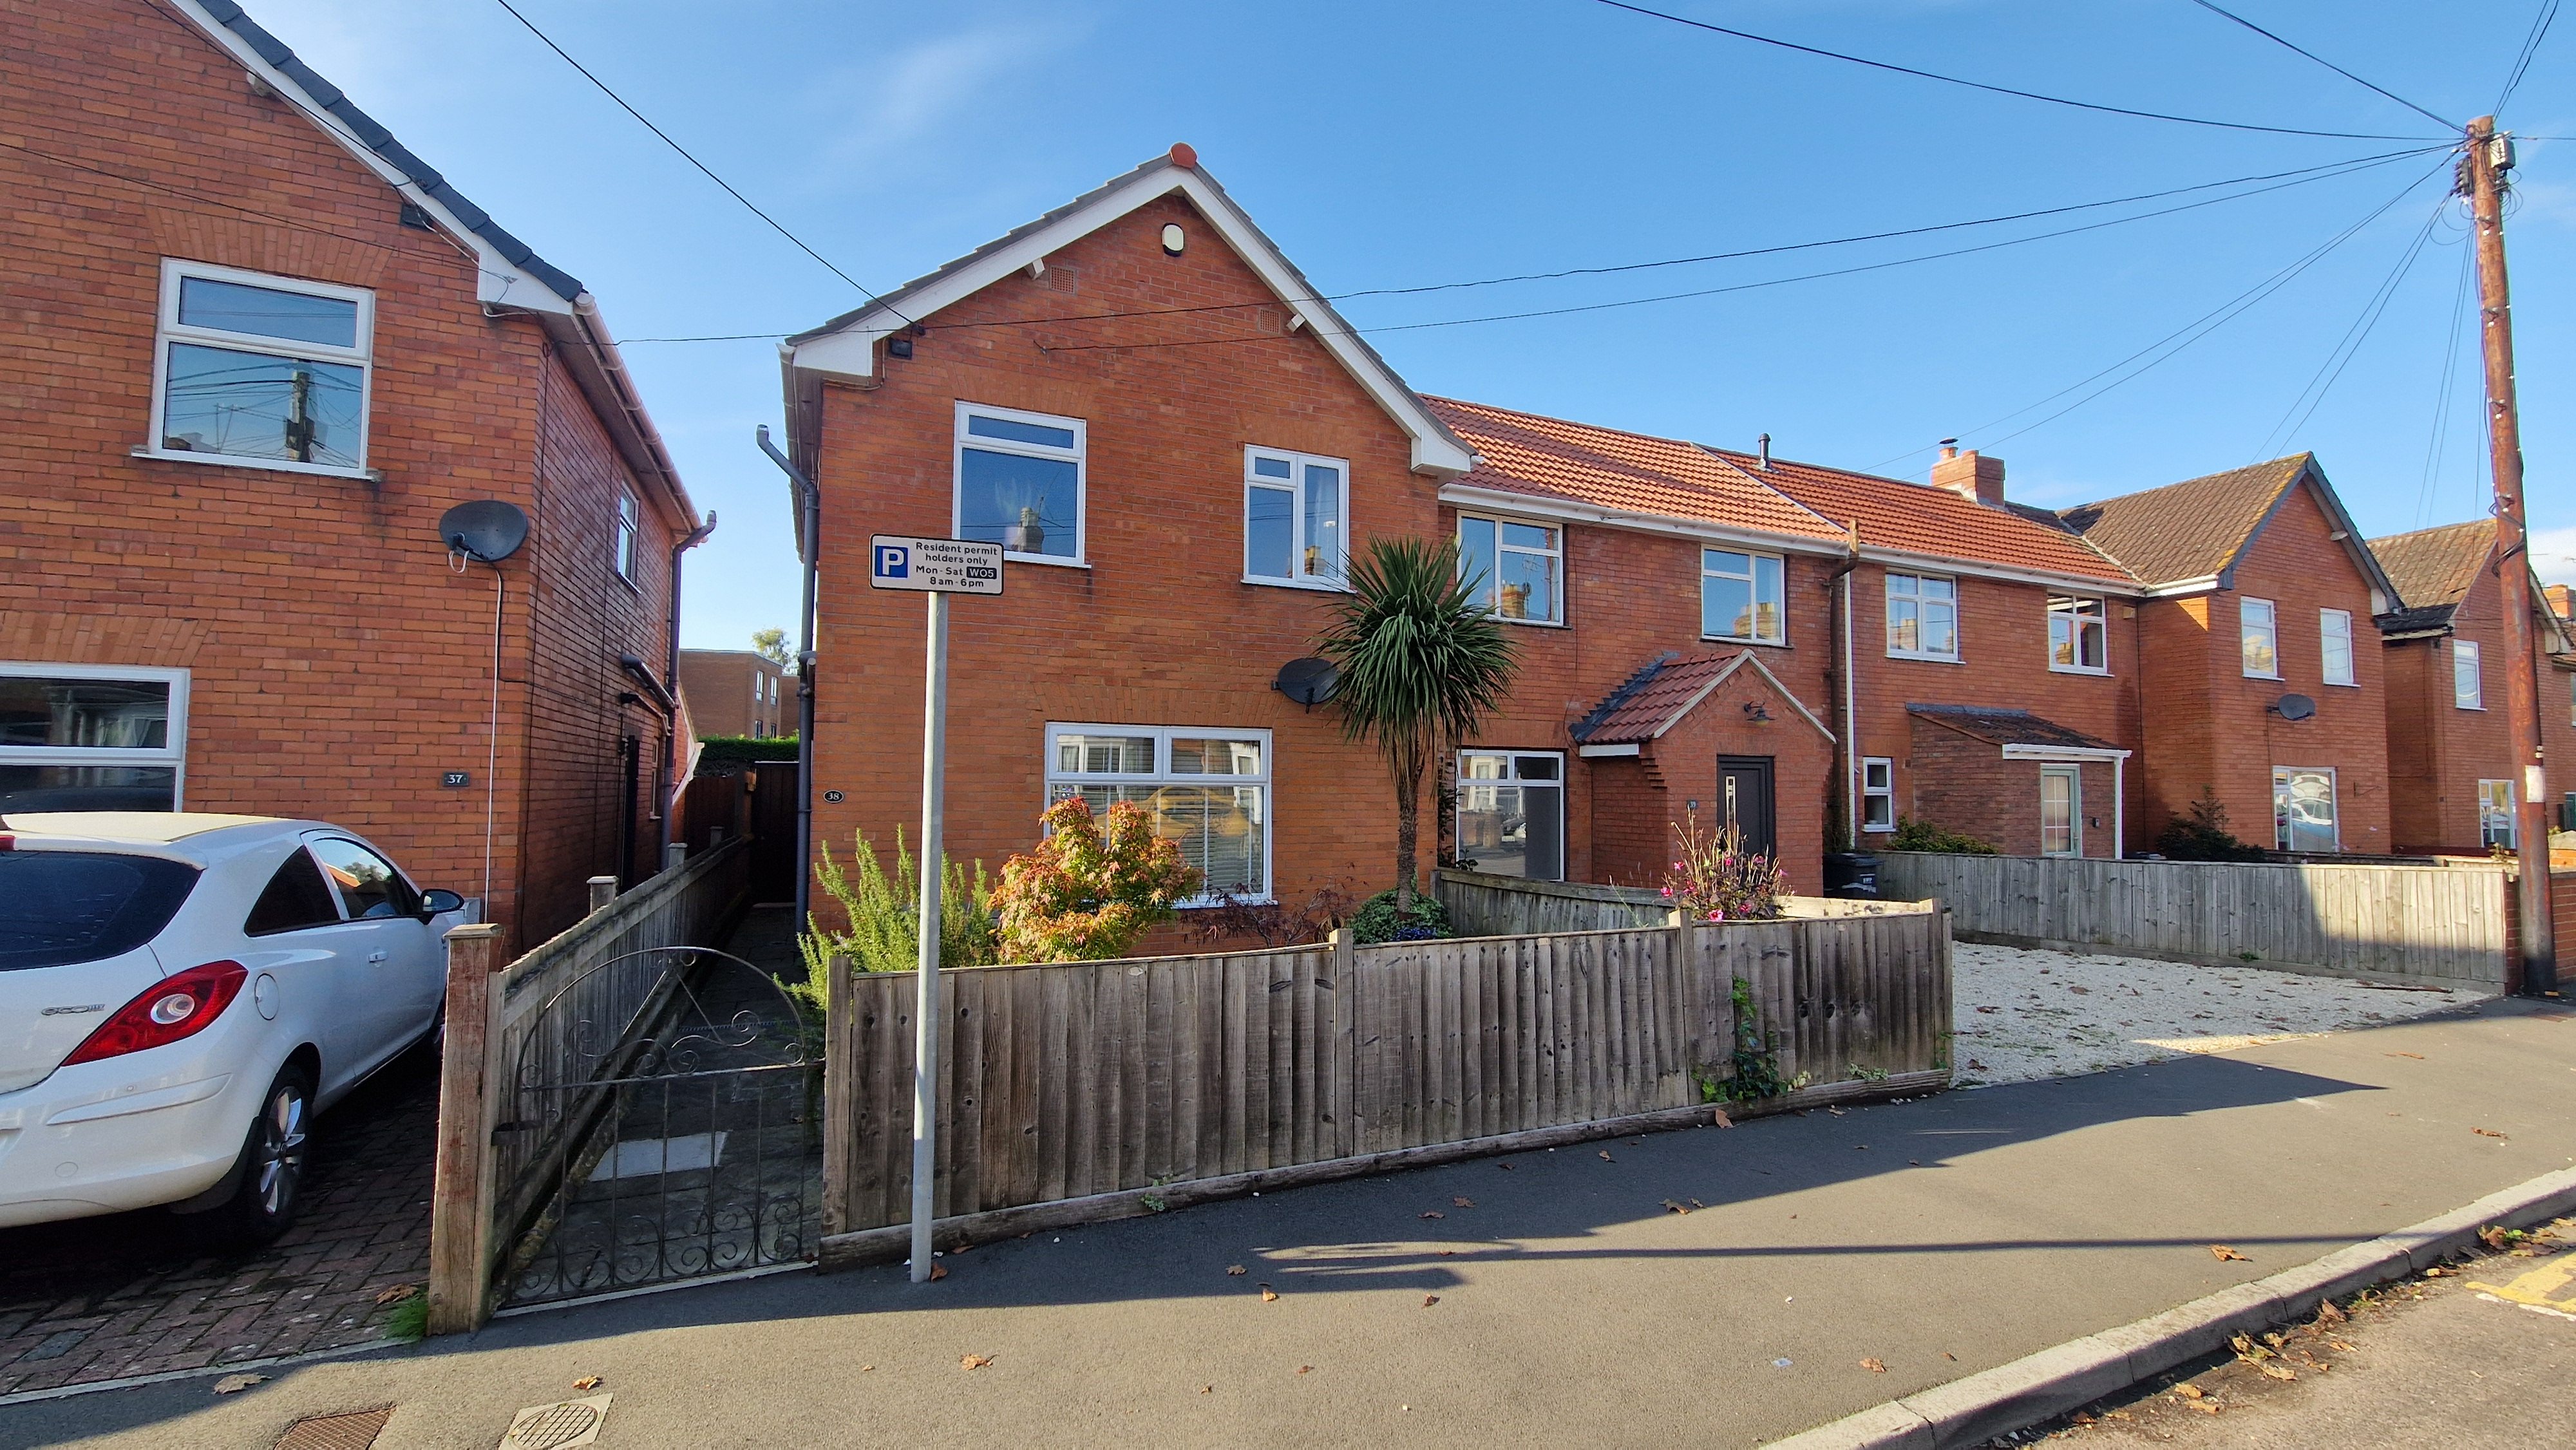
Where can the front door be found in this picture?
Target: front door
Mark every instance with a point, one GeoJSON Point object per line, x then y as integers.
{"type": "Point", "coordinates": [2061, 810]}
{"type": "Point", "coordinates": [1744, 801]}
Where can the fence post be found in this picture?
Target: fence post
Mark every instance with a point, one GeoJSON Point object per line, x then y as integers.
{"type": "Point", "coordinates": [675, 855]}
{"type": "Point", "coordinates": [460, 1212]}
{"type": "Point", "coordinates": [840, 1084]}
{"type": "Point", "coordinates": [603, 892]}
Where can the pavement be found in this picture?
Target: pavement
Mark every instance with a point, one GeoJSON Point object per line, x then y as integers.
{"type": "Point", "coordinates": [1828, 1262]}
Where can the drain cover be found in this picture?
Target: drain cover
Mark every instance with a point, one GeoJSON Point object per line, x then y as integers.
{"type": "Point", "coordinates": [355, 1430]}
{"type": "Point", "coordinates": [564, 1425]}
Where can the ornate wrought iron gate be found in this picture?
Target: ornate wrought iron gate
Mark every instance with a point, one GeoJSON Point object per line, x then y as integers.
{"type": "Point", "coordinates": [663, 1123]}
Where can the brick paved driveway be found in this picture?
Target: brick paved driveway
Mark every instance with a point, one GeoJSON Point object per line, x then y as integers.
{"type": "Point", "coordinates": [137, 1293]}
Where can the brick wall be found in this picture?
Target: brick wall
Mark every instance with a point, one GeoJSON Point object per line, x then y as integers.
{"type": "Point", "coordinates": [720, 686]}
{"type": "Point", "coordinates": [1968, 785]}
{"type": "Point", "coordinates": [2439, 752]}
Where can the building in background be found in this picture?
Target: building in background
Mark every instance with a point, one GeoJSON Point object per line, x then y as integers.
{"type": "Point", "coordinates": [737, 692]}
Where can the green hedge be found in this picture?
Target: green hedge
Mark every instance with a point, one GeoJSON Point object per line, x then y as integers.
{"type": "Point", "coordinates": [736, 749]}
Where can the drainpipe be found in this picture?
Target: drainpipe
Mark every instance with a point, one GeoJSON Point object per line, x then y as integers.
{"type": "Point", "coordinates": [810, 535]}
{"type": "Point", "coordinates": [2119, 809]}
{"type": "Point", "coordinates": [1851, 710]}
{"type": "Point", "coordinates": [673, 785]}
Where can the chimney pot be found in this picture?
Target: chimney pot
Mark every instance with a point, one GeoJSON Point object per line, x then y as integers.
{"type": "Point", "coordinates": [1949, 448]}
{"type": "Point", "coordinates": [1970, 475]}
{"type": "Point", "coordinates": [1766, 452]}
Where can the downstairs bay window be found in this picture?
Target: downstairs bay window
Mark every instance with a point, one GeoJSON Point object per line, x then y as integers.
{"type": "Point", "coordinates": [1207, 790]}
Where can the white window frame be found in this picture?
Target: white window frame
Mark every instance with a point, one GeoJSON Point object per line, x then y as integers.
{"type": "Point", "coordinates": [2466, 654]}
{"type": "Point", "coordinates": [1914, 595]}
{"type": "Point", "coordinates": [2334, 793]}
{"type": "Point", "coordinates": [626, 541]}
{"type": "Point", "coordinates": [169, 329]}
{"type": "Point", "coordinates": [1458, 808]}
{"type": "Point", "coordinates": [1752, 578]}
{"type": "Point", "coordinates": [2328, 621]}
{"type": "Point", "coordinates": [172, 755]}
{"type": "Point", "coordinates": [1884, 791]}
{"type": "Point", "coordinates": [1079, 455]}
{"type": "Point", "coordinates": [2495, 801]}
{"type": "Point", "coordinates": [1493, 595]}
{"type": "Point", "coordinates": [2073, 775]}
{"type": "Point", "coordinates": [1339, 581]}
{"type": "Point", "coordinates": [1162, 774]}
{"type": "Point", "coordinates": [2245, 609]}
{"type": "Point", "coordinates": [2080, 614]}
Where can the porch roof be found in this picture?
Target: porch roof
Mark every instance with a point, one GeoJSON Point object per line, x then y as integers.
{"type": "Point", "coordinates": [2008, 727]}
{"type": "Point", "coordinates": [1660, 693]}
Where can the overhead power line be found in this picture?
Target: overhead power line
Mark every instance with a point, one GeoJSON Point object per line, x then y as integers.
{"type": "Point", "coordinates": [2540, 23]}
{"type": "Point", "coordinates": [2347, 347]}
{"type": "Point", "coordinates": [1994, 89]}
{"type": "Point", "coordinates": [2321, 60]}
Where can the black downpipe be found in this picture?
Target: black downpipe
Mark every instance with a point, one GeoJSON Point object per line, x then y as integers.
{"type": "Point", "coordinates": [810, 535]}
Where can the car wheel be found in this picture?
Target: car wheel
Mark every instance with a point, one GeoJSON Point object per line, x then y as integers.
{"type": "Point", "coordinates": [272, 1161]}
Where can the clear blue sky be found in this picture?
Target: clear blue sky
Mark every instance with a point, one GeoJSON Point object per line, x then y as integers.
{"type": "Point", "coordinates": [1399, 144]}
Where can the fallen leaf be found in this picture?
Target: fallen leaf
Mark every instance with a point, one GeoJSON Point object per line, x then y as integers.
{"type": "Point", "coordinates": [1695, 1203]}
{"type": "Point", "coordinates": [233, 1384]}
{"type": "Point", "coordinates": [1874, 1365]}
{"type": "Point", "coordinates": [1207, 1389]}
{"type": "Point", "coordinates": [2079, 991]}
{"type": "Point", "coordinates": [1462, 1203]}
{"type": "Point", "coordinates": [973, 1361]}
{"type": "Point", "coordinates": [1433, 1213]}
{"type": "Point", "coordinates": [586, 1382]}
{"type": "Point", "coordinates": [1430, 1299]}
{"type": "Point", "coordinates": [1268, 1294]}
{"type": "Point", "coordinates": [2277, 1370]}
{"type": "Point", "coordinates": [961, 1248]}
{"type": "Point", "coordinates": [2079, 1417]}
{"type": "Point", "coordinates": [1718, 1116]}
{"type": "Point", "coordinates": [1945, 1354]}
{"type": "Point", "coordinates": [938, 1272]}
{"type": "Point", "coordinates": [1235, 1270]}
{"type": "Point", "coordinates": [2189, 1391]}
{"type": "Point", "coordinates": [867, 1369]}
{"type": "Point", "coordinates": [1507, 1164]}
{"type": "Point", "coordinates": [397, 1293]}
{"type": "Point", "coordinates": [1606, 1158]}
{"type": "Point", "coordinates": [2483, 1133]}
{"type": "Point", "coordinates": [1671, 1207]}
{"type": "Point", "coordinates": [2419, 1057]}
{"type": "Point", "coordinates": [2329, 1313]}
{"type": "Point", "coordinates": [2224, 1254]}
{"type": "Point", "coordinates": [1990, 1009]}
{"type": "Point", "coordinates": [2494, 1238]}
{"type": "Point", "coordinates": [1305, 1369]}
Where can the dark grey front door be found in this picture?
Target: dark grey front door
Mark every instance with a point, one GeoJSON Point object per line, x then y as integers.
{"type": "Point", "coordinates": [1745, 801]}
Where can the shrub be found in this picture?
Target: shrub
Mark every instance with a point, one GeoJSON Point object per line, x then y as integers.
{"type": "Point", "coordinates": [723, 750]}
{"type": "Point", "coordinates": [1914, 835]}
{"type": "Point", "coordinates": [1273, 924]}
{"type": "Point", "coordinates": [1380, 920]}
{"type": "Point", "coordinates": [2200, 834]}
{"type": "Point", "coordinates": [884, 931]}
{"type": "Point", "coordinates": [1716, 879]}
{"type": "Point", "coordinates": [1092, 887]}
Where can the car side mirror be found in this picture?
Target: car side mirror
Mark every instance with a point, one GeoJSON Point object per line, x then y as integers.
{"type": "Point", "coordinates": [438, 901]}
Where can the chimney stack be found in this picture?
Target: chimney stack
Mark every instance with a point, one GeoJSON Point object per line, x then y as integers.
{"type": "Point", "coordinates": [1766, 452]}
{"type": "Point", "coordinates": [1969, 475]}
{"type": "Point", "coordinates": [2560, 603]}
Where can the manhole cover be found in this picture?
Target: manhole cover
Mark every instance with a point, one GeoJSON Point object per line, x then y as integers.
{"type": "Point", "coordinates": [355, 1430]}
{"type": "Point", "coordinates": [563, 1425]}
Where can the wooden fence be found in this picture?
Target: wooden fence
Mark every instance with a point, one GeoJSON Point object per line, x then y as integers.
{"type": "Point", "coordinates": [1088, 1090]}
{"type": "Point", "coordinates": [2438, 924]}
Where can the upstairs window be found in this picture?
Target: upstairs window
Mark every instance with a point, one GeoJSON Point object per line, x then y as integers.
{"type": "Point", "coordinates": [2468, 687]}
{"type": "Point", "coordinates": [2258, 626]}
{"type": "Point", "coordinates": [2079, 635]}
{"type": "Point", "coordinates": [1740, 596]}
{"type": "Point", "coordinates": [257, 369]}
{"type": "Point", "coordinates": [1922, 617]}
{"type": "Point", "coordinates": [2334, 639]}
{"type": "Point", "coordinates": [630, 519]}
{"type": "Point", "coordinates": [1292, 518]}
{"type": "Point", "coordinates": [1516, 570]}
{"type": "Point", "coordinates": [1020, 483]}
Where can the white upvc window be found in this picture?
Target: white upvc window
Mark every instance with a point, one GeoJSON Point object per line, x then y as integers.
{"type": "Point", "coordinates": [1877, 793]}
{"type": "Point", "coordinates": [2334, 647]}
{"type": "Point", "coordinates": [1208, 791]}
{"type": "Point", "coordinates": [2468, 685]}
{"type": "Point", "coordinates": [92, 737]}
{"type": "Point", "coordinates": [630, 521]}
{"type": "Point", "coordinates": [1516, 570]}
{"type": "Point", "coordinates": [2303, 809]}
{"type": "Point", "coordinates": [2496, 814]}
{"type": "Point", "coordinates": [1020, 483]}
{"type": "Point", "coordinates": [267, 371]}
{"type": "Point", "coordinates": [2079, 635]}
{"type": "Point", "coordinates": [2258, 629]}
{"type": "Point", "coordinates": [1511, 813]}
{"type": "Point", "coordinates": [1295, 522]}
{"type": "Point", "coordinates": [1922, 617]}
{"type": "Point", "coordinates": [1742, 597]}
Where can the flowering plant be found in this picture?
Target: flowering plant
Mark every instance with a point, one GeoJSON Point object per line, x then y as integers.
{"type": "Point", "coordinates": [1716, 879]}
{"type": "Point", "coordinates": [1092, 887]}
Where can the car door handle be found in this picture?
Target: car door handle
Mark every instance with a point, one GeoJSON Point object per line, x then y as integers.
{"type": "Point", "coordinates": [375, 956]}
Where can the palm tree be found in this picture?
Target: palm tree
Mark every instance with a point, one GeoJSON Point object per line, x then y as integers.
{"type": "Point", "coordinates": [1421, 660]}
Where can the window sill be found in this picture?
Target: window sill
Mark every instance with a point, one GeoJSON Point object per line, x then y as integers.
{"type": "Point", "coordinates": [1311, 587]}
{"type": "Point", "coordinates": [1056, 561]}
{"type": "Point", "coordinates": [275, 465]}
{"type": "Point", "coordinates": [1732, 639]}
{"type": "Point", "coordinates": [1533, 623]}
{"type": "Point", "coordinates": [2275, 679]}
{"type": "Point", "coordinates": [1898, 654]}
{"type": "Point", "coordinates": [1878, 830]}
{"type": "Point", "coordinates": [2456, 705]}
{"type": "Point", "coordinates": [2342, 684]}
{"type": "Point", "coordinates": [2104, 672]}
{"type": "Point", "coordinates": [1219, 905]}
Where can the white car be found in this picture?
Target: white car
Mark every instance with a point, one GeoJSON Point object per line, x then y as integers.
{"type": "Point", "coordinates": [179, 996]}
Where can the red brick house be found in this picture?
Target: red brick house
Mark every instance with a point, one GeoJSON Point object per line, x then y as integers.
{"type": "Point", "coordinates": [270, 348]}
{"type": "Point", "coordinates": [2452, 768]}
{"type": "Point", "coordinates": [737, 692]}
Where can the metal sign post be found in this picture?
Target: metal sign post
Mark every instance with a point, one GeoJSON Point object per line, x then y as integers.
{"type": "Point", "coordinates": [937, 567]}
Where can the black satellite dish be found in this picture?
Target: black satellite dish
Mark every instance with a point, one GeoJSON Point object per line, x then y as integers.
{"type": "Point", "coordinates": [2295, 707]}
{"type": "Point", "coordinates": [1308, 681]}
{"type": "Point", "coordinates": [486, 530]}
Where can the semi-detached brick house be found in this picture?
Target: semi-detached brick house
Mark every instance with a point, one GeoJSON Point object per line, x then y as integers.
{"type": "Point", "coordinates": [256, 350]}
{"type": "Point", "coordinates": [2451, 762]}
{"type": "Point", "coordinates": [737, 692]}
{"type": "Point", "coordinates": [1176, 440]}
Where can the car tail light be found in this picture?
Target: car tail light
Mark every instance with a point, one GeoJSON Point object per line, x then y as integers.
{"type": "Point", "coordinates": [180, 1005]}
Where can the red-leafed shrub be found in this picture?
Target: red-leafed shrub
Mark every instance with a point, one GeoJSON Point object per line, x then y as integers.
{"type": "Point", "coordinates": [1092, 887]}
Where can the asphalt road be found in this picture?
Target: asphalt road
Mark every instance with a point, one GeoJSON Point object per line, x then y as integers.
{"type": "Point", "coordinates": [1937, 1237]}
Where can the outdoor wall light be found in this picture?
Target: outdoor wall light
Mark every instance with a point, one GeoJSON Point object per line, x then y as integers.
{"type": "Point", "coordinates": [1174, 239]}
{"type": "Point", "coordinates": [1757, 712]}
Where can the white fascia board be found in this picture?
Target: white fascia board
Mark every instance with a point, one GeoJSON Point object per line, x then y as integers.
{"type": "Point", "coordinates": [1606, 752]}
{"type": "Point", "coordinates": [497, 282]}
{"type": "Point", "coordinates": [2180, 587]}
{"type": "Point", "coordinates": [2061, 752]}
{"type": "Point", "coordinates": [851, 351]}
{"type": "Point", "coordinates": [1505, 501]}
{"type": "Point", "coordinates": [2047, 578]}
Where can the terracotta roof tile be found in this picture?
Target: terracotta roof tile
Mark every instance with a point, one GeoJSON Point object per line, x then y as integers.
{"type": "Point", "coordinates": [2187, 530]}
{"type": "Point", "coordinates": [2434, 568]}
{"type": "Point", "coordinates": [1921, 519]}
{"type": "Point", "coordinates": [2008, 727]}
{"type": "Point", "coordinates": [1647, 703]}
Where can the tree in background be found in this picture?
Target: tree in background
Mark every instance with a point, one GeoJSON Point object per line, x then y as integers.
{"type": "Point", "coordinates": [1420, 661]}
{"type": "Point", "coordinates": [771, 645]}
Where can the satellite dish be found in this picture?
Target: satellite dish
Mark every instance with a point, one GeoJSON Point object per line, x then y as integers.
{"type": "Point", "coordinates": [486, 530]}
{"type": "Point", "coordinates": [1308, 681]}
{"type": "Point", "coordinates": [2296, 707]}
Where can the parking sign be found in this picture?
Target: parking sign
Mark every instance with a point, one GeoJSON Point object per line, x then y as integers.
{"type": "Point", "coordinates": [936, 566]}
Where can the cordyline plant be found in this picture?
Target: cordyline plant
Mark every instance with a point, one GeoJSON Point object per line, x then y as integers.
{"type": "Point", "coordinates": [1092, 887]}
{"type": "Point", "coordinates": [1421, 660]}
{"type": "Point", "coordinates": [1716, 879]}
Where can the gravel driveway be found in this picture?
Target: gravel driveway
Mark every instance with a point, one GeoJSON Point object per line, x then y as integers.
{"type": "Point", "coordinates": [2023, 1015]}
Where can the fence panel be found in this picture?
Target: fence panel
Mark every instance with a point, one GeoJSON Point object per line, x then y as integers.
{"type": "Point", "coordinates": [2434, 923]}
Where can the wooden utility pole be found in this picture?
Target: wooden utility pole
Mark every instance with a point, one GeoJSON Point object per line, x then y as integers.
{"type": "Point", "coordinates": [2487, 157]}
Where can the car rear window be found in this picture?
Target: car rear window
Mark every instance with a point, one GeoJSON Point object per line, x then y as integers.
{"type": "Point", "coordinates": [61, 907]}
